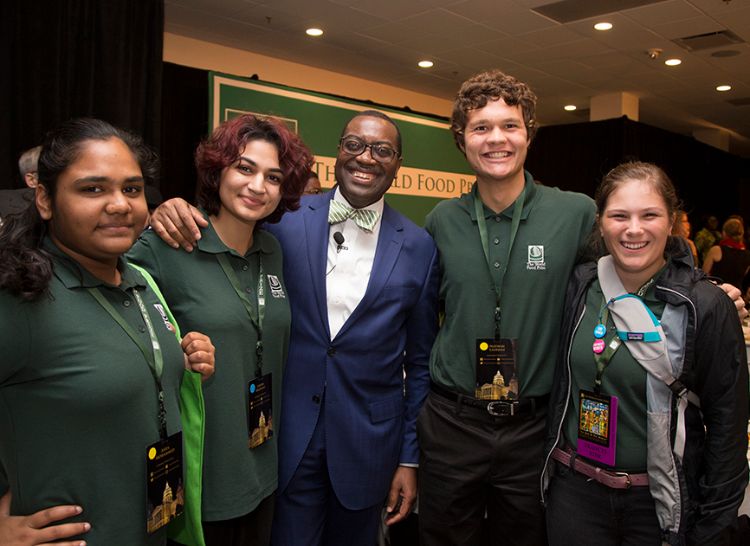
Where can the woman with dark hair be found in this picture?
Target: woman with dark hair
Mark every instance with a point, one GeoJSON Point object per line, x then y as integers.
{"type": "Point", "coordinates": [646, 443]}
{"type": "Point", "coordinates": [250, 171]}
{"type": "Point", "coordinates": [91, 369]}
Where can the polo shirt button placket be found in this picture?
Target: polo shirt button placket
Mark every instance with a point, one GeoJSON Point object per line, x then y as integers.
{"type": "Point", "coordinates": [244, 267]}
{"type": "Point", "coordinates": [126, 303]}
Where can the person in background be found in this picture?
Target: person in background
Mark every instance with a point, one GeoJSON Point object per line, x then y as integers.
{"type": "Point", "coordinates": [357, 370]}
{"type": "Point", "coordinates": [646, 439]}
{"type": "Point", "coordinates": [15, 201]}
{"type": "Point", "coordinates": [91, 366]}
{"type": "Point", "coordinates": [681, 229]}
{"type": "Point", "coordinates": [312, 186]}
{"type": "Point", "coordinates": [251, 171]}
{"type": "Point", "coordinates": [729, 260]}
{"type": "Point", "coordinates": [708, 236]}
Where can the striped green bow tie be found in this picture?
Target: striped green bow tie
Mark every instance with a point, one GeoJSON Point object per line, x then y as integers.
{"type": "Point", "coordinates": [364, 218]}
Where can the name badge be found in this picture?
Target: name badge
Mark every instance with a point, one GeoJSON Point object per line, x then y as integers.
{"type": "Point", "coordinates": [597, 427]}
{"type": "Point", "coordinates": [496, 369]}
{"type": "Point", "coordinates": [260, 411]}
{"type": "Point", "coordinates": [166, 497]}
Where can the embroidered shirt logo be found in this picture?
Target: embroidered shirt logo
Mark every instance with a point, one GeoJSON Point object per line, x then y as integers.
{"type": "Point", "coordinates": [276, 290]}
{"type": "Point", "coordinates": [535, 260]}
{"type": "Point", "coordinates": [159, 307]}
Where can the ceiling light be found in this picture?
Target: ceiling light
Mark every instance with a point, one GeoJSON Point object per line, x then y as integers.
{"type": "Point", "coordinates": [569, 107]}
{"type": "Point", "coordinates": [604, 25]}
{"type": "Point", "coordinates": [425, 64]}
{"type": "Point", "coordinates": [673, 62]}
{"type": "Point", "coordinates": [723, 87]}
{"type": "Point", "coordinates": [314, 32]}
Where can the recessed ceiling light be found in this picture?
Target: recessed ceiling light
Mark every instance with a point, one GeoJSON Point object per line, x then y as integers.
{"type": "Point", "coordinates": [425, 64]}
{"type": "Point", "coordinates": [673, 62]}
{"type": "Point", "coordinates": [604, 25]}
{"type": "Point", "coordinates": [314, 32]}
{"type": "Point", "coordinates": [570, 107]}
{"type": "Point", "coordinates": [723, 87]}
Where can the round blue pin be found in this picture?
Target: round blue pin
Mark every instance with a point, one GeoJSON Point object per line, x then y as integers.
{"type": "Point", "coordinates": [252, 388]}
{"type": "Point", "coordinates": [599, 331]}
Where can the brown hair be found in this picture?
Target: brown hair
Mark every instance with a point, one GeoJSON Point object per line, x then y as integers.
{"type": "Point", "coordinates": [733, 229]}
{"type": "Point", "coordinates": [492, 85]}
{"type": "Point", "coordinates": [637, 170]}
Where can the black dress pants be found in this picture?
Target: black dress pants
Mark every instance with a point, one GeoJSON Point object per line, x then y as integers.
{"type": "Point", "coordinates": [474, 465]}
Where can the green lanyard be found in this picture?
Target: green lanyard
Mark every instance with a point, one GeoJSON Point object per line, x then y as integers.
{"type": "Point", "coordinates": [482, 225]}
{"type": "Point", "coordinates": [154, 358]}
{"type": "Point", "coordinates": [256, 318]}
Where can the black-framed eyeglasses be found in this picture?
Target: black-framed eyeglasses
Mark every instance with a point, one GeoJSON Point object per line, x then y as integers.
{"type": "Point", "coordinates": [356, 146]}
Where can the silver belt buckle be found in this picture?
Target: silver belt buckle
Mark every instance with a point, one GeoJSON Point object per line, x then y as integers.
{"type": "Point", "coordinates": [509, 412]}
{"type": "Point", "coordinates": [628, 481]}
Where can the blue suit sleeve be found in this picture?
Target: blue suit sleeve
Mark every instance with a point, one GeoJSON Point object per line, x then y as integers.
{"type": "Point", "coordinates": [422, 326]}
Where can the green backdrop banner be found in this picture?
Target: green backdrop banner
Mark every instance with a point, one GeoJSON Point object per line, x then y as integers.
{"type": "Point", "coordinates": [432, 169]}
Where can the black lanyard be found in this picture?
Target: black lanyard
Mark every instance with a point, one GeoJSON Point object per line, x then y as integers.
{"type": "Point", "coordinates": [256, 317]}
{"type": "Point", "coordinates": [482, 225]}
{"type": "Point", "coordinates": [154, 358]}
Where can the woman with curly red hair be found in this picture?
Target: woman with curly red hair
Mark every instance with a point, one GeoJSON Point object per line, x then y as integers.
{"type": "Point", "coordinates": [250, 171]}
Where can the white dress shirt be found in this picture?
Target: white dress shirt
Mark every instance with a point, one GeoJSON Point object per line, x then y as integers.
{"type": "Point", "coordinates": [348, 268]}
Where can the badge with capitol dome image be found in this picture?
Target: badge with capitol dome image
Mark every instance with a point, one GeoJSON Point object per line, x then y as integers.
{"type": "Point", "coordinates": [496, 369]}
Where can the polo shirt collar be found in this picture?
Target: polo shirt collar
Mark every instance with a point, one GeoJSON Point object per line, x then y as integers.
{"type": "Point", "coordinates": [530, 187]}
{"type": "Point", "coordinates": [73, 275]}
{"type": "Point", "coordinates": [211, 243]}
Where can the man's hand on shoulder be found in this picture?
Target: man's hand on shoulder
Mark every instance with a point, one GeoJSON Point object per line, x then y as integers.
{"type": "Point", "coordinates": [178, 223]}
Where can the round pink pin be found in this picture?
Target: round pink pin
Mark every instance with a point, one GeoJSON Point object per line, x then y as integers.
{"type": "Point", "coordinates": [598, 346]}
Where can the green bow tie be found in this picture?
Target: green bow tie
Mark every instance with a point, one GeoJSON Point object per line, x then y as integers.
{"type": "Point", "coordinates": [364, 218]}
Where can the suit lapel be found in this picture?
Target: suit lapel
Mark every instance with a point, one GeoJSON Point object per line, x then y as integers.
{"type": "Point", "coordinates": [316, 231]}
{"type": "Point", "coordinates": [390, 240]}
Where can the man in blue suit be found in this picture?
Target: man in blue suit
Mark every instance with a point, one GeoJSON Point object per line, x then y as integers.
{"type": "Point", "coordinates": [362, 284]}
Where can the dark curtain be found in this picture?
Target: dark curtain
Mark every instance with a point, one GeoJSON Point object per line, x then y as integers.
{"type": "Point", "coordinates": [184, 123]}
{"type": "Point", "coordinates": [72, 58]}
{"type": "Point", "coordinates": [577, 156]}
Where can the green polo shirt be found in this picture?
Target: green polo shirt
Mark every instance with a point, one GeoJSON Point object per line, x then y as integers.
{"type": "Point", "coordinates": [623, 377]}
{"type": "Point", "coordinates": [235, 477]}
{"type": "Point", "coordinates": [78, 403]}
{"type": "Point", "coordinates": [554, 225]}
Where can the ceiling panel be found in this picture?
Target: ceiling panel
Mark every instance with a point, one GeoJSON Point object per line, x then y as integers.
{"type": "Point", "coordinates": [381, 40]}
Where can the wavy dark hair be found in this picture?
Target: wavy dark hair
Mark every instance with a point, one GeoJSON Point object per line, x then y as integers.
{"type": "Point", "coordinates": [492, 85]}
{"type": "Point", "coordinates": [222, 149]}
{"type": "Point", "coordinates": [25, 268]}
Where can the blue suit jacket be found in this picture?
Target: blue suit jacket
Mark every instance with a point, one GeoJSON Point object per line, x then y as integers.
{"type": "Point", "coordinates": [370, 413]}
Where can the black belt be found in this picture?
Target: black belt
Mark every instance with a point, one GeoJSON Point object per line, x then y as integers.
{"type": "Point", "coordinates": [495, 408]}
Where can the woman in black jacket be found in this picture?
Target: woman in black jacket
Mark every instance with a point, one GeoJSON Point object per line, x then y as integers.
{"type": "Point", "coordinates": [647, 427]}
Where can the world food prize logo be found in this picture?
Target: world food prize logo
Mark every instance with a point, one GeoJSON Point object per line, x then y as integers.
{"type": "Point", "coordinates": [535, 260]}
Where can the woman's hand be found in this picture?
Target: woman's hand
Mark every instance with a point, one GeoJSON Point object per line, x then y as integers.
{"type": "Point", "coordinates": [37, 529]}
{"type": "Point", "coordinates": [199, 355]}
